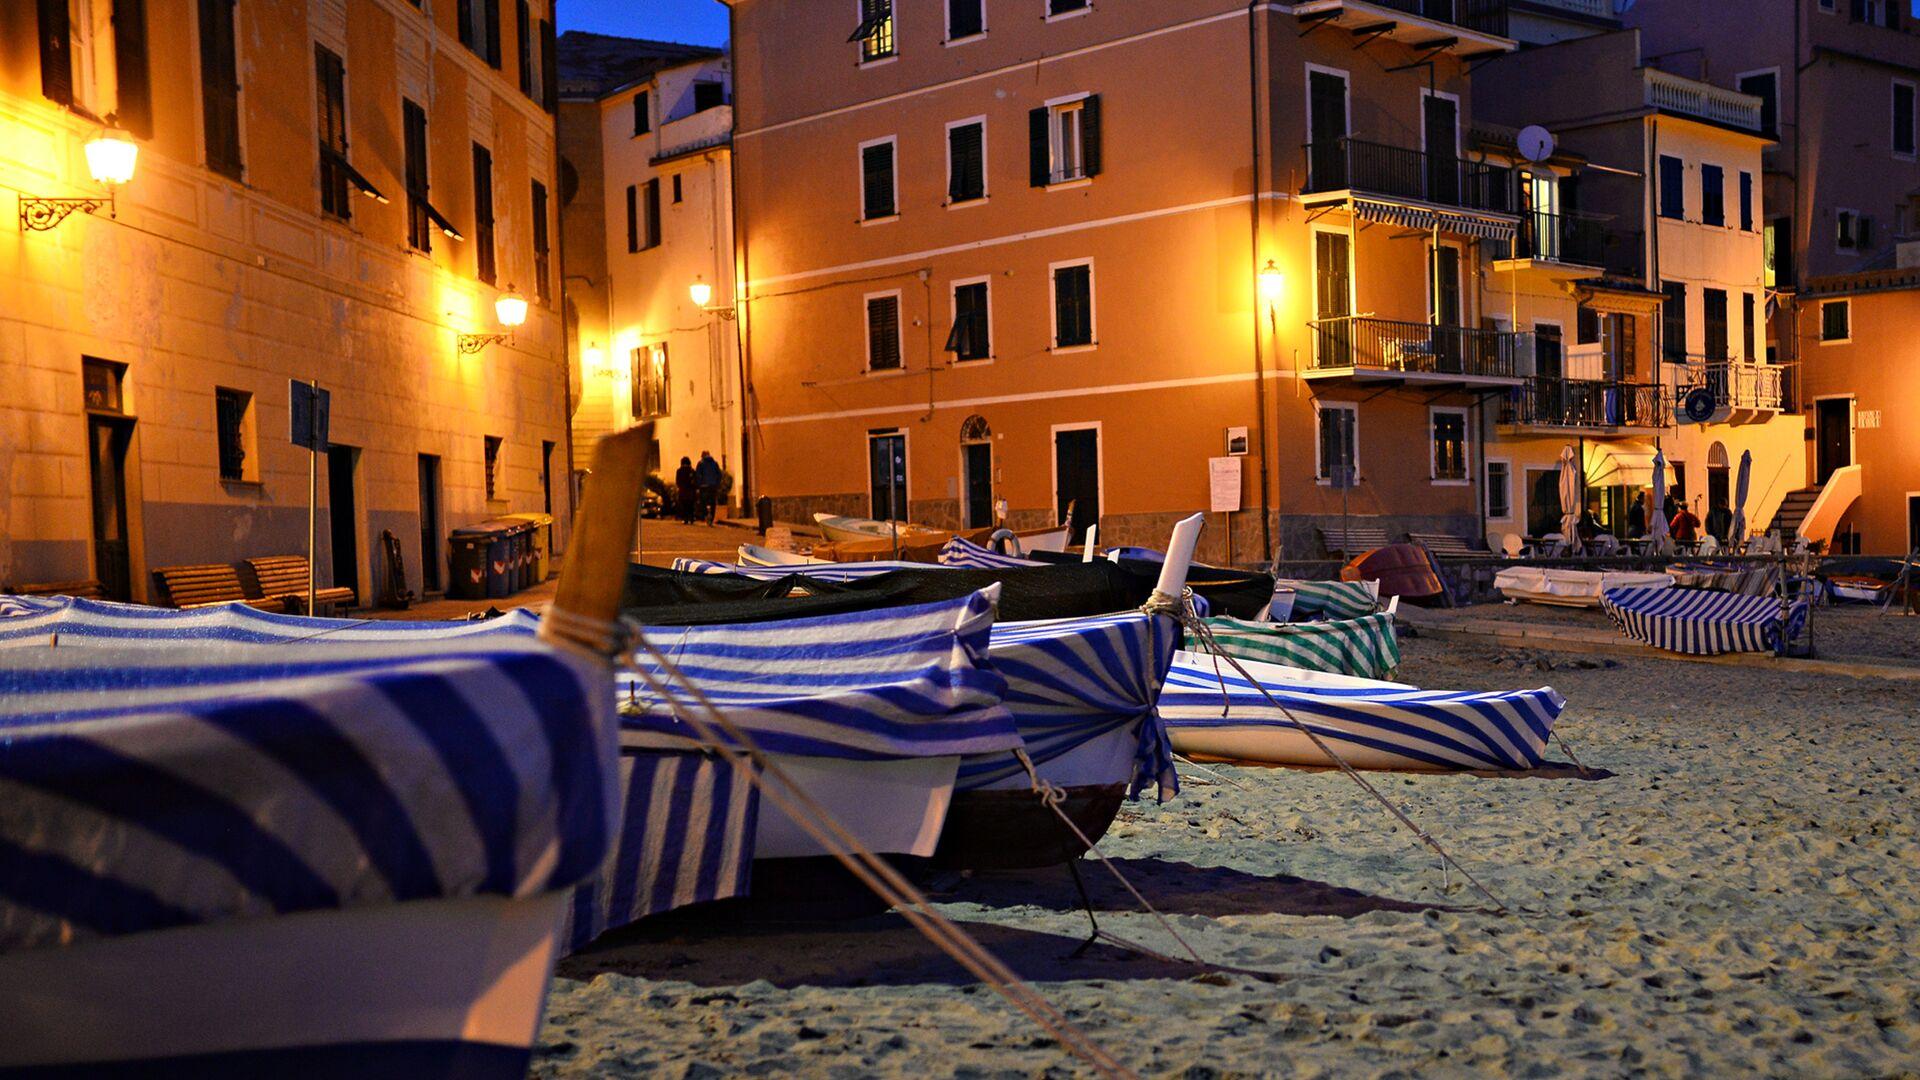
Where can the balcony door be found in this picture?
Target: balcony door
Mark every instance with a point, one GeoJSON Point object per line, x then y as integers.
{"type": "Point", "coordinates": [887, 474]}
{"type": "Point", "coordinates": [1327, 131]}
{"type": "Point", "coordinates": [1333, 300]}
{"type": "Point", "coordinates": [1076, 479]}
{"type": "Point", "coordinates": [107, 442]}
{"type": "Point", "coordinates": [1441, 125]}
{"type": "Point", "coordinates": [1444, 308]}
{"type": "Point", "coordinates": [1833, 434]}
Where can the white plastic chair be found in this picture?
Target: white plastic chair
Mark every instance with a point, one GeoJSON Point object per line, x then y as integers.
{"type": "Point", "coordinates": [1512, 545]}
{"type": "Point", "coordinates": [1708, 545]}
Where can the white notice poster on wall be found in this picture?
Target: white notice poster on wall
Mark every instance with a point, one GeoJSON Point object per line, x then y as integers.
{"type": "Point", "coordinates": [1223, 484]}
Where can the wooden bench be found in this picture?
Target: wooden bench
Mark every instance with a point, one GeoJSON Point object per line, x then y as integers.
{"type": "Point", "coordinates": [1447, 545]}
{"type": "Point", "coordinates": [1353, 540]}
{"type": "Point", "coordinates": [283, 579]}
{"type": "Point", "coordinates": [203, 586]}
{"type": "Point", "coordinates": [88, 589]}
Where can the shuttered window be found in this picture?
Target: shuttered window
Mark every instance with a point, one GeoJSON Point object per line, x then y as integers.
{"type": "Point", "coordinates": [1714, 318]}
{"type": "Point", "coordinates": [966, 162]}
{"type": "Point", "coordinates": [1713, 195]}
{"type": "Point", "coordinates": [1836, 320]}
{"type": "Point", "coordinates": [1072, 306]}
{"type": "Point", "coordinates": [419, 219]}
{"type": "Point", "coordinates": [877, 181]}
{"type": "Point", "coordinates": [965, 18]}
{"type": "Point", "coordinates": [133, 94]}
{"type": "Point", "coordinates": [651, 190]}
{"type": "Point", "coordinates": [883, 332]}
{"type": "Point", "coordinates": [330, 76]}
{"type": "Point", "coordinates": [1064, 141]}
{"type": "Point", "coordinates": [1622, 345]}
{"type": "Point", "coordinates": [483, 214]}
{"type": "Point", "coordinates": [970, 337]}
{"type": "Point", "coordinates": [633, 218]}
{"type": "Point", "coordinates": [56, 52]}
{"type": "Point", "coordinates": [523, 44]}
{"type": "Point", "coordinates": [642, 113]}
{"type": "Point", "coordinates": [1746, 201]}
{"type": "Point", "coordinates": [220, 87]}
{"type": "Point", "coordinates": [549, 68]}
{"type": "Point", "coordinates": [1673, 322]}
{"type": "Point", "coordinates": [1903, 119]}
{"type": "Point", "coordinates": [875, 32]}
{"type": "Point", "coordinates": [1339, 443]}
{"type": "Point", "coordinates": [230, 417]}
{"type": "Point", "coordinates": [541, 269]}
{"type": "Point", "coordinates": [479, 28]}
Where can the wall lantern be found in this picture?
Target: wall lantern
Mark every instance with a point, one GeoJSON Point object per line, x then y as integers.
{"type": "Point", "coordinates": [511, 310]}
{"type": "Point", "coordinates": [1272, 283]}
{"type": "Point", "coordinates": [110, 159]}
{"type": "Point", "coordinates": [702, 295]}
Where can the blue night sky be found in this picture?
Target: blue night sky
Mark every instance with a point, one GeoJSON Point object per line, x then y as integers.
{"type": "Point", "coordinates": [701, 22]}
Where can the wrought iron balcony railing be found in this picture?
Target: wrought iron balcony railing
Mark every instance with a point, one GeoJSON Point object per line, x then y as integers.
{"type": "Point", "coordinates": [1362, 343]}
{"type": "Point", "coordinates": [1342, 164]}
{"type": "Point", "coordinates": [1486, 16]}
{"type": "Point", "coordinates": [1740, 384]}
{"type": "Point", "coordinates": [1579, 240]}
{"type": "Point", "coordinates": [1545, 401]}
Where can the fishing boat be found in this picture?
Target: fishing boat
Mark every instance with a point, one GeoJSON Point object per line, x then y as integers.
{"type": "Point", "coordinates": [837, 528]}
{"type": "Point", "coordinates": [1366, 646]}
{"type": "Point", "coordinates": [1213, 713]}
{"type": "Point", "coordinates": [1706, 622]}
{"type": "Point", "coordinates": [1570, 588]}
{"type": "Point", "coordinates": [755, 555]}
{"type": "Point", "coordinates": [1859, 589]}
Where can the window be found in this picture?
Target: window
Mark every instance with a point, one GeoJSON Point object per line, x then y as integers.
{"type": "Point", "coordinates": [642, 113]}
{"type": "Point", "coordinates": [966, 18]}
{"type": "Point", "coordinates": [1852, 230]}
{"type": "Point", "coordinates": [1713, 303]}
{"type": "Point", "coordinates": [652, 383]}
{"type": "Point", "coordinates": [1339, 445]}
{"type": "Point", "coordinates": [879, 186]}
{"type": "Point", "coordinates": [1903, 119]}
{"type": "Point", "coordinates": [966, 160]}
{"type": "Point", "coordinates": [643, 215]}
{"type": "Point", "coordinates": [1673, 188]}
{"type": "Point", "coordinates": [970, 338]}
{"type": "Point", "coordinates": [330, 75]}
{"type": "Point", "coordinates": [1499, 491]}
{"type": "Point", "coordinates": [1067, 7]}
{"type": "Point", "coordinates": [1449, 430]}
{"type": "Point", "coordinates": [1779, 251]}
{"type": "Point", "coordinates": [633, 220]}
{"type": "Point", "coordinates": [549, 69]}
{"type": "Point", "coordinates": [1620, 346]}
{"type": "Point", "coordinates": [883, 332]}
{"type": "Point", "coordinates": [1764, 85]}
{"type": "Point", "coordinates": [676, 188]}
{"type": "Point", "coordinates": [542, 287]}
{"type": "Point", "coordinates": [652, 202]}
{"type": "Point", "coordinates": [220, 87]}
{"type": "Point", "coordinates": [1884, 13]}
{"type": "Point", "coordinates": [1836, 321]}
{"type": "Point", "coordinates": [493, 465]}
{"type": "Point", "coordinates": [483, 214]}
{"type": "Point", "coordinates": [1713, 195]}
{"type": "Point", "coordinates": [1750, 325]}
{"type": "Point", "coordinates": [1064, 140]}
{"type": "Point", "coordinates": [419, 211]}
{"type": "Point", "coordinates": [103, 383]}
{"type": "Point", "coordinates": [523, 44]}
{"type": "Point", "coordinates": [708, 94]}
{"type": "Point", "coordinates": [1829, 5]}
{"type": "Point", "coordinates": [1673, 322]}
{"type": "Point", "coordinates": [93, 59]}
{"type": "Point", "coordinates": [1746, 201]}
{"type": "Point", "coordinates": [233, 419]}
{"type": "Point", "coordinates": [1586, 327]}
{"type": "Point", "coordinates": [875, 32]}
{"type": "Point", "coordinates": [479, 27]}
{"type": "Point", "coordinates": [1073, 305]}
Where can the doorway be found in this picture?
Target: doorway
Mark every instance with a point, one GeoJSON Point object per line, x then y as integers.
{"type": "Point", "coordinates": [1442, 130]}
{"type": "Point", "coordinates": [341, 516]}
{"type": "Point", "coordinates": [887, 474]}
{"type": "Point", "coordinates": [1913, 523]}
{"type": "Point", "coordinates": [1833, 437]}
{"type": "Point", "coordinates": [429, 523]}
{"type": "Point", "coordinates": [1076, 479]}
{"type": "Point", "coordinates": [1446, 308]}
{"type": "Point", "coordinates": [976, 473]}
{"type": "Point", "coordinates": [1327, 130]}
{"type": "Point", "coordinates": [107, 442]}
{"type": "Point", "coordinates": [1333, 300]}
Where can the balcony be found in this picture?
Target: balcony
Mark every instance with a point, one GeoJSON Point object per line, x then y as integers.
{"type": "Point", "coordinates": [1361, 167]}
{"type": "Point", "coordinates": [1574, 246]}
{"type": "Point", "coordinates": [1586, 405]}
{"type": "Point", "coordinates": [695, 131]}
{"type": "Point", "coordinates": [1745, 386]}
{"type": "Point", "coordinates": [1462, 27]}
{"type": "Point", "coordinates": [1702, 101]}
{"type": "Point", "coordinates": [1367, 349]}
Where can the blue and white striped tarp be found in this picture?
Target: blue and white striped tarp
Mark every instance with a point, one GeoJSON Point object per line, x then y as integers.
{"type": "Point", "coordinates": [823, 571]}
{"type": "Point", "coordinates": [889, 683]}
{"type": "Point", "coordinates": [687, 826]}
{"type": "Point", "coordinates": [1440, 728]}
{"type": "Point", "coordinates": [1071, 680]}
{"type": "Point", "coordinates": [1704, 622]}
{"type": "Point", "coordinates": [11, 605]}
{"type": "Point", "coordinates": [80, 621]}
{"type": "Point", "coordinates": [147, 787]}
{"type": "Point", "coordinates": [963, 552]}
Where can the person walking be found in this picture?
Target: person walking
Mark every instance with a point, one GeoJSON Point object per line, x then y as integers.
{"type": "Point", "coordinates": [1685, 527]}
{"type": "Point", "coordinates": [707, 476]}
{"type": "Point", "coordinates": [685, 491]}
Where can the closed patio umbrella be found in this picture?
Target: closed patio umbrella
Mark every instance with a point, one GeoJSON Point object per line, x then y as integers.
{"type": "Point", "coordinates": [1657, 521]}
{"type": "Point", "coordinates": [1738, 530]}
{"type": "Point", "coordinates": [1570, 499]}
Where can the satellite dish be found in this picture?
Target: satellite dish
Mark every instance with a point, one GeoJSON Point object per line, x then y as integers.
{"type": "Point", "coordinates": [1535, 143]}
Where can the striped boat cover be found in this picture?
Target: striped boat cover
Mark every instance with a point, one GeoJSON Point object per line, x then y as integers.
{"type": "Point", "coordinates": [11, 605]}
{"type": "Point", "coordinates": [81, 621]}
{"type": "Point", "coordinates": [822, 571]}
{"type": "Point", "coordinates": [686, 837]}
{"type": "Point", "coordinates": [1704, 622]}
{"type": "Point", "coordinates": [1444, 729]}
{"type": "Point", "coordinates": [963, 552]}
{"type": "Point", "coordinates": [1071, 680]}
{"type": "Point", "coordinates": [1331, 599]}
{"type": "Point", "coordinates": [1366, 647]}
{"type": "Point", "coordinates": [1727, 577]}
{"type": "Point", "coordinates": [890, 683]}
{"type": "Point", "coordinates": [154, 787]}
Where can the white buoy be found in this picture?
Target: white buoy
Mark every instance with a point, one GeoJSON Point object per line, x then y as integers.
{"type": "Point", "coordinates": [1173, 572]}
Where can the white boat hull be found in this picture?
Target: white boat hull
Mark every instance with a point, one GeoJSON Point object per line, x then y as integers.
{"type": "Point", "coordinates": [1272, 745]}
{"type": "Point", "coordinates": [1103, 759]}
{"type": "Point", "coordinates": [893, 807]}
{"type": "Point", "coordinates": [434, 987]}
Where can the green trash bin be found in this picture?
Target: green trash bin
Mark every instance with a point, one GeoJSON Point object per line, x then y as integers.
{"type": "Point", "coordinates": [482, 561]}
{"type": "Point", "coordinates": [541, 541]}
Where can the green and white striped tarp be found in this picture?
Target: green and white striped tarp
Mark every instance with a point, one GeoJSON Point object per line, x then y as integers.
{"type": "Point", "coordinates": [1365, 647]}
{"type": "Point", "coordinates": [1331, 599]}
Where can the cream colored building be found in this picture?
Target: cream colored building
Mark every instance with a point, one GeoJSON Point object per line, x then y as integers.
{"type": "Point", "coordinates": [146, 349]}
{"type": "Point", "coordinates": [652, 123]}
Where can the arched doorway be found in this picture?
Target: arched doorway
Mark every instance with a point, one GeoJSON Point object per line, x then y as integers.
{"type": "Point", "coordinates": [1719, 519]}
{"type": "Point", "coordinates": [976, 472]}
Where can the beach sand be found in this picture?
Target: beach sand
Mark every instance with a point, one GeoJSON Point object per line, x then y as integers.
{"type": "Point", "coordinates": [1740, 896]}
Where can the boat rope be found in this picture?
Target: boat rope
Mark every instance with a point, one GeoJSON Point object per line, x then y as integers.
{"type": "Point", "coordinates": [1198, 627]}
{"type": "Point", "coordinates": [866, 866]}
{"type": "Point", "coordinates": [1585, 772]}
{"type": "Point", "coordinates": [1220, 776]}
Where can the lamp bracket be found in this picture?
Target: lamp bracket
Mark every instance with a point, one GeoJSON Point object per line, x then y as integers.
{"type": "Point", "coordinates": [43, 214]}
{"type": "Point", "coordinates": [473, 343]}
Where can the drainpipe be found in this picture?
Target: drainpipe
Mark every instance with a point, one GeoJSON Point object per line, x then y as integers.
{"type": "Point", "coordinates": [1254, 86]}
{"type": "Point", "coordinates": [742, 334]}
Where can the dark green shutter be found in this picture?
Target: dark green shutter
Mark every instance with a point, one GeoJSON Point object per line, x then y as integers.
{"type": "Point", "coordinates": [653, 212]}
{"type": "Point", "coordinates": [464, 16]}
{"type": "Point", "coordinates": [883, 333]}
{"type": "Point", "coordinates": [1038, 163]}
{"type": "Point", "coordinates": [633, 218]}
{"type": "Point", "coordinates": [523, 44]}
{"type": "Point", "coordinates": [1090, 136]}
{"type": "Point", "coordinates": [967, 179]}
{"type": "Point", "coordinates": [56, 52]}
{"type": "Point", "coordinates": [876, 184]}
{"type": "Point", "coordinates": [134, 110]}
{"type": "Point", "coordinates": [493, 33]}
{"type": "Point", "coordinates": [549, 68]}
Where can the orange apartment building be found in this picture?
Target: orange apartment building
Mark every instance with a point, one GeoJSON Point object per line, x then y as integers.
{"type": "Point", "coordinates": [1041, 254]}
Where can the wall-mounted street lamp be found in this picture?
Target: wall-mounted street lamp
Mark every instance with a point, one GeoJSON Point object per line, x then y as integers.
{"type": "Point", "coordinates": [1273, 284]}
{"type": "Point", "coordinates": [511, 310]}
{"type": "Point", "coordinates": [110, 158]}
{"type": "Point", "coordinates": [702, 295]}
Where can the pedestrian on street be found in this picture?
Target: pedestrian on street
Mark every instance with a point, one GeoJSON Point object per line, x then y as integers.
{"type": "Point", "coordinates": [1685, 527]}
{"type": "Point", "coordinates": [707, 476]}
{"type": "Point", "coordinates": [684, 491]}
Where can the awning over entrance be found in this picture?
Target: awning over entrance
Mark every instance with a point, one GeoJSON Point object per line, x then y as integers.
{"type": "Point", "coordinates": [1484, 227]}
{"type": "Point", "coordinates": [1620, 464]}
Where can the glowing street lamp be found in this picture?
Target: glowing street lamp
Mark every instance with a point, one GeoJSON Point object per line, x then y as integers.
{"type": "Point", "coordinates": [1272, 283]}
{"type": "Point", "coordinates": [701, 292]}
{"type": "Point", "coordinates": [110, 159]}
{"type": "Point", "coordinates": [511, 309]}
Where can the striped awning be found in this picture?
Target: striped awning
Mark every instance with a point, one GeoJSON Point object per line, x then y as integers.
{"type": "Point", "coordinates": [1366, 647]}
{"type": "Point", "coordinates": [1426, 219]}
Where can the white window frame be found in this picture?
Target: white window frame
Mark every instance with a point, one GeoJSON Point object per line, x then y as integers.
{"type": "Point", "coordinates": [1852, 243]}
{"type": "Point", "coordinates": [946, 23]}
{"type": "Point", "coordinates": [1821, 327]}
{"type": "Point", "coordinates": [1053, 309]}
{"type": "Point", "coordinates": [1320, 406]}
{"type": "Point", "coordinates": [1306, 90]}
{"type": "Point", "coordinates": [860, 165]}
{"type": "Point", "coordinates": [1313, 280]}
{"type": "Point", "coordinates": [1433, 459]}
{"type": "Point", "coordinates": [1913, 136]}
{"type": "Point", "coordinates": [953, 315]}
{"type": "Point", "coordinates": [1099, 463]}
{"type": "Point", "coordinates": [1047, 15]}
{"type": "Point", "coordinates": [860, 16]}
{"type": "Point", "coordinates": [906, 457]}
{"type": "Point", "coordinates": [1055, 107]}
{"type": "Point", "coordinates": [1486, 509]}
{"type": "Point", "coordinates": [866, 332]}
{"type": "Point", "coordinates": [986, 188]}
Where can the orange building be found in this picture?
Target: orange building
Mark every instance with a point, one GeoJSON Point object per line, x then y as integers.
{"type": "Point", "coordinates": [1057, 254]}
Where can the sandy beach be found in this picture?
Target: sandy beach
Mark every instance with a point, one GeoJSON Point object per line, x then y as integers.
{"type": "Point", "coordinates": [1740, 894]}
